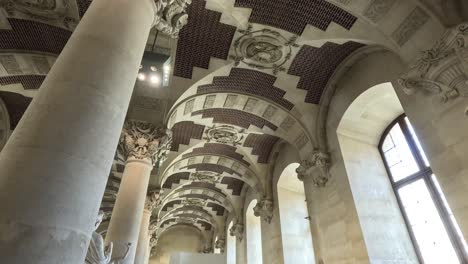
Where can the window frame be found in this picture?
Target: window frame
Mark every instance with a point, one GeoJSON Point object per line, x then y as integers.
{"type": "Point", "coordinates": [425, 173]}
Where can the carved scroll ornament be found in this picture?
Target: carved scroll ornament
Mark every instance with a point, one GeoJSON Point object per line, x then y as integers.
{"type": "Point", "coordinates": [442, 71]}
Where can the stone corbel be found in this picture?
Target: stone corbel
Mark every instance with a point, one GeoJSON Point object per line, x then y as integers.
{"type": "Point", "coordinates": [143, 141]}
{"type": "Point", "coordinates": [152, 201]}
{"type": "Point", "coordinates": [220, 243]}
{"type": "Point", "coordinates": [237, 230]}
{"type": "Point", "coordinates": [264, 210]}
{"type": "Point", "coordinates": [316, 167]}
{"type": "Point", "coordinates": [442, 71]}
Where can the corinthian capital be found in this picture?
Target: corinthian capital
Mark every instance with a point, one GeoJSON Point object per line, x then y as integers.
{"type": "Point", "coordinates": [441, 72]}
{"type": "Point", "coordinates": [316, 167]}
{"type": "Point", "coordinates": [264, 209]}
{"type": "Point", "coordinates": [141, 140]}
{"type": "Point", "coordinates": [237, 230]}
{"type": "Point", "coordinates": [171, 16]}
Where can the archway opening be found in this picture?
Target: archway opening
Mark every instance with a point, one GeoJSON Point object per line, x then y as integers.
{"type": "Point", "coordinates": [359, 133]}
{"type": "Point", "coordinates": [295, 227]}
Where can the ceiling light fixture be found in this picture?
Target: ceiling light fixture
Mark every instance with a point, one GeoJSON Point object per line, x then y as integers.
{"type": "Point", "coordinates": [141, 76]}
{"type": "Point", "coordinates": [154, 79]}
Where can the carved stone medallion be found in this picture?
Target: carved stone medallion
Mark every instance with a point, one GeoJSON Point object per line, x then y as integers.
{"type": "Point", "coordinates": [224, 134]}
{"type": "Point", "coordinates": [263, 49]}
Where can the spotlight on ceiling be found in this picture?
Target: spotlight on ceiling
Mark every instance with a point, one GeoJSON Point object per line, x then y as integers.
{"type": "Point", "coordinates": [154, 79]}
{"type": "Point", "coordinates": [154, 68]}
{"type": "Point", "coordinates": [141, 76]}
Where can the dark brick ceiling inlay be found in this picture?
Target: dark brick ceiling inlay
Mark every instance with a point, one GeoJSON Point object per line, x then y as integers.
{"type": "Point", "coordinates": [216, 208]}
{"type": "Point", "coordinates": [218, 149]}
{"type": "Point", "coordinates": [33, 36]}
{"type": "Point", "coordinates": [212, 167]}
{"type": "Point", "coordinates": [315, 66]}
{"type": "Point", "coordinates": [83, 6]}
{"type": "Point", "coordinates": [234, 117]}
{"type": "Point", "coordinates": [294, 15]}
{"type": "Point", "coordinates": [205, 225]}
{"type": "Point", "coordinates": [29, 82]}
{"type": "Point", "coordinates": [16, 105]}
{"type": "Point", "coordinates": [250, 82]}
{"type": "Point", "coordinates": [175, 179]}
{"type": "Point", "coordinates": [202, 38]}
{"type": "Point", "coordinates": [199, 196]}
{"type": "Point", "coordinates": [261, 145]}
{"type": "Point", "coordinates": [183, 131]}
{"type": "Point", "coordinates": [204, 185]}
{"type": "Point", "coordinates": [171, 204]}
{"type": "Point", "coordinates": [166, 222]}
{"type": "Point", "coordinates": [233, 184]}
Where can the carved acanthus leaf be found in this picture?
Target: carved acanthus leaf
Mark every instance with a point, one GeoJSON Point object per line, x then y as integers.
{"type": "Point", "coordinates": [141, 140]}
{"type": "Point", "coordinates": [152, 201]}
{"type": "Point", "coordinates": [316, 167]}
{"type": "Point", "coordinates": [264, 209]}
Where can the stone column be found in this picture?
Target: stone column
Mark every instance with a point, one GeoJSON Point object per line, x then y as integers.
{"type": "Point", "coordinates": [238, 231]}
{"type": "Point", "coordinates": [144, 145]}
{"type": "Point", "coordinates": [54, 168]}
{"type": "Point", "coordinates": [143, 238]}
{"type": "Point", "coordinates": [272, 244]}
{"type": "Point", "coordinates": [314, 172]}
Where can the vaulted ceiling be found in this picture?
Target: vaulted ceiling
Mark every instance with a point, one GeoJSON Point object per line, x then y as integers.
{"type": "Point", "coordinates": [246, 75]}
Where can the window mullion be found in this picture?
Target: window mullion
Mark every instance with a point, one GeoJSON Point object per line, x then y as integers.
{"type": "Point", "coordinates": [411, 143]}
{"type": "Point", "coordinates": [444, 215]}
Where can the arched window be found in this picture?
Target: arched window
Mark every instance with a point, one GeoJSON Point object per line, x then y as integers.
{"type": "Point", "coordinates": [431, 224]}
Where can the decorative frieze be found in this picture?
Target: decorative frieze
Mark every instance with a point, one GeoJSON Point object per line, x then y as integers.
{"type": "Point", "coordinates": [141, 140]}
{"type": "Point", "coordinates": [264, 210]}
{"type": "Point", "coordinates": [315, 167]}
{"type": "Point", "coordinates": [442, 71]}
{"type": "Point", "coordinates": [207, 176]}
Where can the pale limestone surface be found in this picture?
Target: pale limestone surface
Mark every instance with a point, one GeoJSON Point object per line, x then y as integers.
{"type": "Point", "coordinates": [68, 136]}
{"type": "Point", "coordinates": [127, 215]}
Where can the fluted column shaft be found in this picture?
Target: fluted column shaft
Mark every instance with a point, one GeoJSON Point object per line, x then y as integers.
{"type": "Point", "coordinates": [54, 168]}
{"type": "Point", "coordinates": [127, 214]}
